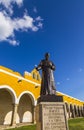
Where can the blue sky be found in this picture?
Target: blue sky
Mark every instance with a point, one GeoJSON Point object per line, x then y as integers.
{"type": "Point", "coordinates": [29, 28]}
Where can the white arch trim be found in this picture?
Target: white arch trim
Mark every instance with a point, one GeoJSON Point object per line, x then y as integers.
{"type": "Point", "coordinates": [34, 102]}
{"type": "Point", "coordinates": [66, 101]}
{"type": "Point", "coordinates": [11, 91]}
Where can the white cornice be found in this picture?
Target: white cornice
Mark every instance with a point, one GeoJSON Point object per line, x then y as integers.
{"type": "Point", "coordinates": [18, 77]}
{"type": "Point", "coordinates": [22, 78]}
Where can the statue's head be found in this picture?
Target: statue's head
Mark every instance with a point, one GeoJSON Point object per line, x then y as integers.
{"type": "Point", "coordinates": [47, 55]}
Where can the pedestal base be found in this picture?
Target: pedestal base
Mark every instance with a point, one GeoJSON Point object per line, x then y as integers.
{"type": "Point", "coordinates": [50, 98]}
{"type": "Point", "coordinates": [51, 116]}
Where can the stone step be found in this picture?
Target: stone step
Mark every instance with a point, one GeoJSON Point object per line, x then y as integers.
{"type": "Point", "coordinates": [5, 127]}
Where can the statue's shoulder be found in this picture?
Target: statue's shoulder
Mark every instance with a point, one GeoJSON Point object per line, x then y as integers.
{"type": "Point", "coordinates": [43, 60]}
{"type": "Point", "coordinates": [51, 62]}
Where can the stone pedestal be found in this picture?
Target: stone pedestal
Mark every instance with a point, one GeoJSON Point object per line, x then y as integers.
{"type": "Point", "coordinates": [51, 116]}
{"type": "Point", "coordinates": [50, 98]}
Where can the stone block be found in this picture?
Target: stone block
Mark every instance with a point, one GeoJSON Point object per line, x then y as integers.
{"type": "Point", "coordinates": [51, 116]}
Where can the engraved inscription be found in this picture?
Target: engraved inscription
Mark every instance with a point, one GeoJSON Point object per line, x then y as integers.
{"type": "Point", "coordinates": [53, 117]}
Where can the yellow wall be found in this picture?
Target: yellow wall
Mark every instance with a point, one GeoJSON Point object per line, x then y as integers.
{"type": "Point", "coordinates": [71, 100]}
{"type": "Point", "coordinates": [19, 87]}
{"type": "Point", "coordinates": [28, 83]}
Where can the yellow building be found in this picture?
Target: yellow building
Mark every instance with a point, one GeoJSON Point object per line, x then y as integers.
{"type": "Point", "coordinates": [19, 94]}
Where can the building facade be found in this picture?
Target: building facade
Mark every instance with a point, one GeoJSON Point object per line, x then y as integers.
{"type": "Point", "coordinates": [19, 94]}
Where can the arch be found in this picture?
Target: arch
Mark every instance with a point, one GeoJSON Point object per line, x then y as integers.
{"type": "Point", "coordinates": [34, 102]}
{"type": "Point", "coordinates": [82, 111]}
{"type": "Point", "coordinates": [11, 91]}
{"type": "Point", "coordinates": [67, 108]}
{"type": "Point", "coordinates": [79, 111]}
{"type": "Point", "coordinates": [25, 108]}
{"type": "Point", "coordinates": [71, 111]}
{"type": "Point", "coordinates": [75, 110]}
{"type": "Point", "coordinates": [6, 107]}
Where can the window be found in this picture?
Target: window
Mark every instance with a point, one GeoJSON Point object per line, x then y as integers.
{"type": "Point", "coordinates": [34, 75]}
{"type": "Point", "coordinates": [38, 77]}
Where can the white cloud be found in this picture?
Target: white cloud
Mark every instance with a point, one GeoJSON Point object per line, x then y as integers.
{"type": "Point", "coordinates": [39, 19]}
{"type": "Point", "coordinates": [80, 70]}
{"type": "Point", "coordinates": [13, 42]}
{"type": "Point", "coordinates": [8, 3]}
{"type": "Point", "coordinates": [26, 22]}
{"type": "Point", "coordinates": [8, 24]}
{"type": "Point", "coordinates": [68, 79]}
{"type": "Point", "coordinates": [58, 83]}
{"type": "Point", "coordinates": [40, 25]}
{"type": "Point", "coordinates": [6, 28]}
{"type": "Point", "coordinates": [35, 10]}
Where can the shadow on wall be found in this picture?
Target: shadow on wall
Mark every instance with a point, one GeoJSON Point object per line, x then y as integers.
{"type": "Point", "coordinates": [5, 107]}
{"type": "Point", "coordinates": [25, 109]}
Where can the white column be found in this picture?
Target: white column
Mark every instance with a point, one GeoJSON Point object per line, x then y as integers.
{"type": "Point", "coordinates": [14, 114]}
{"type": "Point", "coordinates": [69, 111]}
{"type": "Point", "coordinates": [73, 112]}
{"type": "Point", "coordinates": [34, 114]}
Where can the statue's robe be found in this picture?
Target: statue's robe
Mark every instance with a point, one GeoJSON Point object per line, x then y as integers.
{"type": "Point", "coordinates": [47, 83]}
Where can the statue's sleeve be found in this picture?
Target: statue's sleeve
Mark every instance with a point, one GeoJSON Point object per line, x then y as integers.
{"type": "Point", "coordinates": [39, 66]}
{"type": "Point", "coordinates": [53, 66]}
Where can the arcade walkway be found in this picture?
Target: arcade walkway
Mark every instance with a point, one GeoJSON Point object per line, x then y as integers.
{"type": "Point", "coordinates": [18, 98]}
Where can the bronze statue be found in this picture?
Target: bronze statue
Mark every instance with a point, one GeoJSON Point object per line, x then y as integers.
{"type": "Point", "coordinates": [47, 83]}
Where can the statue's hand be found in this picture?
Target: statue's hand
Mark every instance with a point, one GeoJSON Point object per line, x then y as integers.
{"type": "Point", "coordinates": [50, 65]}
{"type": "Point", "coordinates": [53, 67]}
{"type": "Point", "coordinates": [36, 68]}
